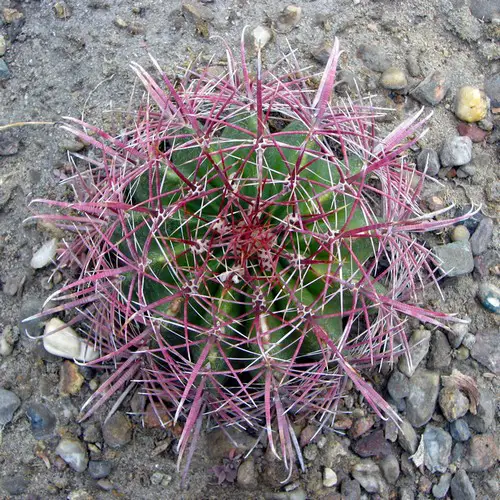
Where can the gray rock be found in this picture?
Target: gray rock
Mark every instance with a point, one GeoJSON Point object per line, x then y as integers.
{"type": "Point", "coordinates": [489, 296]}
{"type": "Point", "coordinates": [29, 308]}
{"type": "Point", "coordinates": [350, 489]}
{"type": "Point", "coordinates": [393, 78]}
{"type": "Point", "coordinates": [456, 333]}
{"type": "Point", "coordinates": [4, 70]}
{"type": "Point", "coordinates": [439, 490]}
{"type": "Point", "coordinates": [440, 355]}
{"type": "Point", "coordinates": [398, 385]}
{"type": "Point", "coordinates": [99, 469]}
{"type": "Point", "coordinates": [367, 473]}
{"type": "Point", "coordinates": [117, 430]}
{"type": "Point", "coordinates": [461, 487]}
{"type": "Point", "coordinates": [43, 421]}
{"type": "Point", "coordinates": [453, 403]}
{"type": "Point", "coordinates": [455, 258]}
{"type": "Point", "coordinates": [472, 221]}
{"type": "Point", "coordinates": [407, 437]}
{"type": "Point", "coordinates": [74, 453]}
{"type": "Point", "coordinates": [374, 57]}
{"type": "Point", "coordinates": [456, 151]}
{"type": "Point", "coordinates": [432, 90]}
{"type": "Point", "coordinates": [492, 87]}
{"type": "Point", "coordinates": [459, 430]}
{"type": "Point", "coordinates": [418, 349]}
{"type": "Point", "coordinates": [247, 475]}
{"type": "Point", "coordinates": [437, 448]}
{"type": "Point", "coordinates": [9, 403]}
{"type": "Point", "coordinates": [420, 403]}
{"type": "Point", "coordinates": [406, 493]}
{"type": "Point", "coordinates": [428, 158]}
{"type": "Point", "coordinates": [390, 468]}
{"type": "Point", "coordinates": [485, 10]}
{"type": "Point", "coordinates": [466, 171]}
{"type": "Point", "coordinates": [482, 453]}
{"type": "Point", "coordinates": [481, 238]}
{"type": "Point", "coordinates": [486, 349]}
{"type": "Point", "coordinates": [484, 418]}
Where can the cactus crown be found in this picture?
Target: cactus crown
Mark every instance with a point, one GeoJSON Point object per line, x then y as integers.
{"type": "Point", "coordinates": [230, 248]}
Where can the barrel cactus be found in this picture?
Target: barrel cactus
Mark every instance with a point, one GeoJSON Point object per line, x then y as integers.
{"type": "Point", "coordinates": [244, 248]}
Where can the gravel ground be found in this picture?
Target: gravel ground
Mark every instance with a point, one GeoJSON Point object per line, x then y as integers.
{"type": "Point", "coordinates": [72, 59]}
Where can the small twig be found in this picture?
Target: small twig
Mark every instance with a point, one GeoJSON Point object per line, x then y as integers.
{"type": "Point", "coordinates": [22, 124]}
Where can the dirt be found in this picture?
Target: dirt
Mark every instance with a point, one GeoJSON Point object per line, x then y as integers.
{"type": "Point", "coordinates": [78, 66]}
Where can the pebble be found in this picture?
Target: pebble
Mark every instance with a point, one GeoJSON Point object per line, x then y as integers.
{"type": "Point", "coordinates": [367, 473]}
{"type": "Point", "coordinates": [489, 296]}
{"type": "Point", "coordinates": [413, 66]}
{"type": "Point", "coordinates": [393, 78]}
{"type": "Point", "coordinates": [453, 403]}
{"type": "Point", "coordinates": [439, 490]}
{"type": "Point", "coordinates": [289, 18]}
{"type": "Point", "coordinates": [407, 437]}
{"type": "Point", "coordinates": [45, 254]}
{"type": "Point", "coordinates": [440, 355]}
{"type": "Point", "coordinates": [471, 104]}
{"type": "Point", "coordinates": [437, 448]}
{"type": "Point", "coordinates": [43, 421]}
{"type": "Point", "coordinates": [406, 493]}
{"type": "Point", "coordinates": [473, 221]}
{"type": "Point", "coordinates": [99, 469]}
{"type": "Point", "coordinates": [7, 341]}
{"type": "Point", "coordinates": [262, 35]}
{"type": "Point", "coordinates": [92, 433]}
{"type": "Point", "coordinates": [329, 478]}
{"type": "Point", "coordinates": [361, 426]}
{"type": "Point", "coordinates": [61, 10]}
{"type": "Point", "coordinates": [481, 238]}
{"type": "Point", "coordinates": [428, 158]}
{"type": "Point", "coordinates": [459, 430]}
{"type": "Point", "coordinates": [70, 379]}
{"type": "Point", "coordinates": [472, 131]}
{"type": "Point", "coordinates": [322, 52]}
{"type": "Point", "coordinates": [456, 333]}
{"type": "Point", "coordinates": [461, 487]}
{"type": "Point", "coordinates": [3, 45]}
{"type": "Point", "coordinates": [456, 151]}
{"type": "Point", "coordinates": [350, 489]}
{"type": "Point", "coordinates": [390, 468]}
{"type": "Point", "coordinates": [9, 403]}
{"type": "Point", "coordinates": [455, 258]}
{"type": "Point", "coordinates": [460, 233]}
{"type": "Point", "coordinates": [66, 343]}
{"type": "Point", "coordinates": [117, 430]}
{"type": "Point", "coordinates": [4, 70]}
{"type": "Point", "coordinates": [484, 418]}
{"type": "Point", "coordinates": [15, 485]}
{"type": "Point", "coordinates": [398, 386]}
{"type": "Point", "coordinates": [421, 401]}
{"type": "Point", "coordinates": [373, 445]}
{"type": "Point", "coordinates": [432, 90]}
{"type": "Point", "coordinates": [492, 89]}
{"type": "Point", "coordinates": [374, 57]}
{"type": "Point", "coordinates": [310, 452]}
{"type": "Point", "coordinates": [74, 453]}
{"type": "Point", "coordinates": [482, 453]}
{"type": "Point", "coordinates": [247, 475]}
{"type": "Point", "coordinates": [194, 12]}
{"type": "Point", "coordinates": [418, 348]}
{"type": "Point", "coordinates": [486, 348]}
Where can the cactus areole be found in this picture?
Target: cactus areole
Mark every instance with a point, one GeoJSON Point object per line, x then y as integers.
{"type": "Point", "coordinates": [244, 248]}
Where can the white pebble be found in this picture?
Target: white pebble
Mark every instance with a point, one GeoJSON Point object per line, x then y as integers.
{"type": "Point", "coordinates": [44, 255]}
{"type": "Point", "coordinates": [329, 478]}
{"type": "Point", "coordinates": [66, 343]}
{"type": "Point", "coordinates": [261, 36]}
